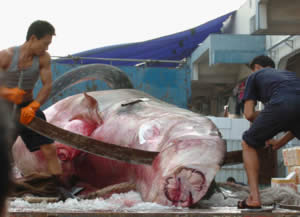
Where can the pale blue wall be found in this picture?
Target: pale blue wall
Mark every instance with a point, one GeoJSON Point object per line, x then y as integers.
{"type": "Point", "coordinates": [224, 48]}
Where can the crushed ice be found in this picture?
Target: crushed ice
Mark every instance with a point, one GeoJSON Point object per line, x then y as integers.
{"type": "Point", "coordinates": [125, 201]}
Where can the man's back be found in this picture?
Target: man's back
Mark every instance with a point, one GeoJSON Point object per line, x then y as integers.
{"type": "Point", "coordinates": [270, 85]}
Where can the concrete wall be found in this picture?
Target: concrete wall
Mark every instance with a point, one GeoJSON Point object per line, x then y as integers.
{"type": "Point", "coordinates": [243, 21]}
{"type": "Point", "coordinates": [281, 48]}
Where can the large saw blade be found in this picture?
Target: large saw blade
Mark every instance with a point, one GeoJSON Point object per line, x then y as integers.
{"type": "Point", "coordinates": [90, 145]}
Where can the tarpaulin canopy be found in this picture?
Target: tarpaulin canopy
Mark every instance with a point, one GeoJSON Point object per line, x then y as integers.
{"type": "Point", "coordinates": [172, 47]}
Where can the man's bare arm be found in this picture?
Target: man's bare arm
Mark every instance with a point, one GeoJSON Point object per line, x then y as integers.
{"type": "Point", "coordinates": [46, 78]}
{"type": "Point", "coordinates": [278, 143]}
{"type": "Point", "coordinates": [5, 57]}
{"type": "Point", "coordinates": [3, 60]}
{"type": "Point", "coordinates": [251, 115]}
{"type": "Point", "coordinates": [249, 110]}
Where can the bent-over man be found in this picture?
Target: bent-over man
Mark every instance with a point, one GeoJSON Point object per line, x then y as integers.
{"type": "Point", "coordinates": [279, 90]}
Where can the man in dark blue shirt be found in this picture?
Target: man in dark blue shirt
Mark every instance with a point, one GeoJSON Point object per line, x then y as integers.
{"type": "Point", "coordinates": [279, 90]}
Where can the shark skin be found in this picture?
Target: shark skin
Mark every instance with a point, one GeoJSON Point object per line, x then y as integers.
{"type": "Point", "coordinates": [190, 146]}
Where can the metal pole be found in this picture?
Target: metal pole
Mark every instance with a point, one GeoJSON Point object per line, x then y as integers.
{"type": "Point", "coordinates": [280, 42]}
{"type": "Point", "coordinates": [119, 59]}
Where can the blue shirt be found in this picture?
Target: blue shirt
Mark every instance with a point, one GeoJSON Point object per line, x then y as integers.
{"type": "Point", "coordinates": [269, 85]}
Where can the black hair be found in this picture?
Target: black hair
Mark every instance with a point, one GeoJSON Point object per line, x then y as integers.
{"type": "Point", "coordinates": [40, 28]}
{"type": "Point", "coordinates": [231, 179]}
{"type": "Point", "coordinates": [263, 61]}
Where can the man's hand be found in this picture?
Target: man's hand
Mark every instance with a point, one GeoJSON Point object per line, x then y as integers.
{"type": "Point", "coordinates": [28, 112]}
{"type": "Point", "coordinates": [14, 95]}
{"type": "Point", "coordinates": [273, 143]}
{"type": "Point", "coordinates": [278, 143]}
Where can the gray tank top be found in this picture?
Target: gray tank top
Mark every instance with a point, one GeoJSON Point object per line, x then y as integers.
{"type": "Point", "coordinates": [30, 75]}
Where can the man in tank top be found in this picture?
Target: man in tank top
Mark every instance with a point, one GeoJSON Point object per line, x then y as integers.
{"type": "Point", "coordinates": [20, 68]}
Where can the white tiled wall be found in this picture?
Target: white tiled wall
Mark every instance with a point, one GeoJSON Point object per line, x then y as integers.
{"type": "Point", "coordinates": [232, 131]}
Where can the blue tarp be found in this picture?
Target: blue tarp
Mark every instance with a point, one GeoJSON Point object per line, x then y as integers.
{"type": "Point", "coordinates": [172, 47]}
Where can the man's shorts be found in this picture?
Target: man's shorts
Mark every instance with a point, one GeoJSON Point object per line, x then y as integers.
{"type": "Point", "coordinates": [273, 119]}
{"type": "Point", "coordinates": [32, 140]}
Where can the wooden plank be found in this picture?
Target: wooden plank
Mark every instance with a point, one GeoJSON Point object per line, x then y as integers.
{"type": "Point", "coordinates": [233, 157]}
{"type": "Point", "coordinates": [268, 165]}
{"type": "Point", "coordinates": [213, 212]}
{"type": "Point", "coordinates": [290, 207]}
